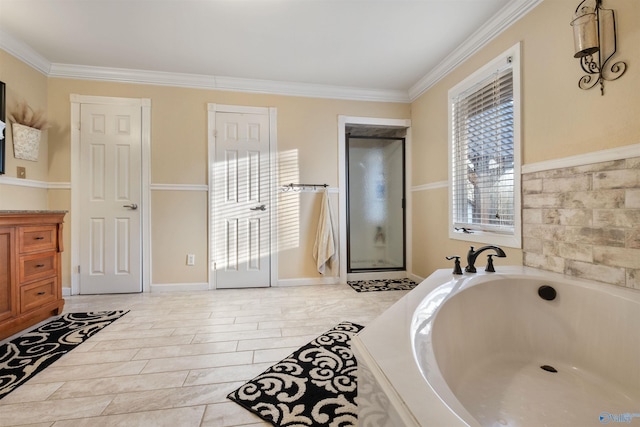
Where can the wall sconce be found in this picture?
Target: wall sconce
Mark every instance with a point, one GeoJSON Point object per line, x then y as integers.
{"type": "Point", "coordinates": [594, 32]}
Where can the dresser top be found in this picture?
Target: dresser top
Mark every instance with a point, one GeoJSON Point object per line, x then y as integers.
{"type": "Point", "coordinates": [35, 212]}
{"type": "Point", "coordinates": [31, 217]}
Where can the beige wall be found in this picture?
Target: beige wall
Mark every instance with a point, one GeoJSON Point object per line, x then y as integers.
{"type": "Point", "coordinates": [178, 227]}
{"type": "Point", "coordinates": [307, 131]}
{"type": "Point", "coordinates": [558, 119]}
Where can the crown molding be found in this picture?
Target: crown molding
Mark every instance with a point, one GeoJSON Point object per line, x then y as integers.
{"type": "Point", "coordinates": [311, 90]}
{"type": "Point", "coordinates": [125, 75]}
{"type": "Point", "coordinates": [234, 84]}
{"type": "Point", "coordinates": [511, 13]}
{"type": "Point", "coordinates": [24, 52]}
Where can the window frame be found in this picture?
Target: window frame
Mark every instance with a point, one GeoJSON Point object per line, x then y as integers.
{"type": "Point", "coordinates": [499, 63]}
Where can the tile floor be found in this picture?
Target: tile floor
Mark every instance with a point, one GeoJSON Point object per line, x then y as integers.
{"type": "Point", "coordinates": [173, 359]}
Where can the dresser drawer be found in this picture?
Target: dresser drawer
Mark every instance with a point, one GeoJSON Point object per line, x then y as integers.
{"type": "Point", "coordinates": [37, 238]}
{"type": "Point", "coordinates": [37, 294]}
{"type": "Point", "coordinates": [37, 266]}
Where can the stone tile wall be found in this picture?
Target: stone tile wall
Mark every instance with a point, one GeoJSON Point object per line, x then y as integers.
{"type": "Point", "coordinates": [584, 221]}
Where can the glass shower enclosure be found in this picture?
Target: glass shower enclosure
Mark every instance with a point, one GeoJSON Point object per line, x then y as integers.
{"type": "Point", "coordinates": [376, 203]}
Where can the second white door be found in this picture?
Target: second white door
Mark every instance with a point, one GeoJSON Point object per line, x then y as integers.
{"type": "Point", "coordinates": [242, 200]}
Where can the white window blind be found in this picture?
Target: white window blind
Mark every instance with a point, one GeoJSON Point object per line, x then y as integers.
{"type": "Point", "coordinates": [484, 168]}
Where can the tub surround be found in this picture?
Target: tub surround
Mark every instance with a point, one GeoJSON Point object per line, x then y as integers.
{"type": "Point", "coordinates": [584, 221]}
{"type": "Point", "coordinates": [424, 361]}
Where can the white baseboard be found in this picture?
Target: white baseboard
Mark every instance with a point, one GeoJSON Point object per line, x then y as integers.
{"type": "Point", "coordinates": [303, 281]}
{"type": "Point", "coordinates": [306, 281]}
{"type": "Point", "coordinates": [163, 287]}
{"type": "Point", "coordinates": [415, 277]}
{"type": "Point", "coordinates": [183, 287]}
{"type": "Point", "coordinates": [179, 287]}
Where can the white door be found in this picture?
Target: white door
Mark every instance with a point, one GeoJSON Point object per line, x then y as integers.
{"type": "Point", "coordinates": [241, 200]}
{"type": "Point", "coordinates": [110, 234]}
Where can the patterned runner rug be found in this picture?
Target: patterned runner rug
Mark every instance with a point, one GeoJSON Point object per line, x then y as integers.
{"type": "Point", "coordinates": [382, 285]}
{"type": "Point", "coordinates": [314, 386]}
{"type": "Point", "coordinates": [25, 356]}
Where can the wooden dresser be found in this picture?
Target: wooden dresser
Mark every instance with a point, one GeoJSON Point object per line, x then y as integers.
{"type": "Point", "coordinates": [30, 268]}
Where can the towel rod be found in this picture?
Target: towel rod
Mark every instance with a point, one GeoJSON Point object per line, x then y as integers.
{"type": "Point", "coordinates": [292, 186]}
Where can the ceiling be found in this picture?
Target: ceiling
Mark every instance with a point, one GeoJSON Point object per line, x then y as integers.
{"type": "Point", "coordinates": [386, 46]}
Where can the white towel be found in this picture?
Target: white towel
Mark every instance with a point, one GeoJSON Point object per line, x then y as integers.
{"type": "Point", "coordinates": [324, 250]}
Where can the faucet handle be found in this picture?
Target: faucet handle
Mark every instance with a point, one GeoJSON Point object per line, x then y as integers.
{"type": "Point", "coordinates": [489, 268]}
{"type": "Point", "coordinates": [456, 269]}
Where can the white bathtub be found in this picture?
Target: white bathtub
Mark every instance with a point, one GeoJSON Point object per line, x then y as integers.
{"type": "Point", "coordinates": [479, 350]}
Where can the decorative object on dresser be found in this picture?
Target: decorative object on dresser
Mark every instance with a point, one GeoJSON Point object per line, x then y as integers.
{"type": "Point", "coordinates": [30, 268]}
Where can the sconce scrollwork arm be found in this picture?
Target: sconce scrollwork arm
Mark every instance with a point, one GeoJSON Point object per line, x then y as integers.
{"type": "Point", "coordinates": [588, 81]}
{"type": "Point", "coordinates": [616, 70]}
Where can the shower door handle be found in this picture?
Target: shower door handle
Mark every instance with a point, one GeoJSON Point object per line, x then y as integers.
{"type": "Point", "coordinates": [259, 208]}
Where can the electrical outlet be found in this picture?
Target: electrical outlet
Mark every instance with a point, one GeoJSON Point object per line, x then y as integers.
{"type": "Point", "coordinates": [22, 172]}
{"type": "Point", "coordinates": [191, 259]}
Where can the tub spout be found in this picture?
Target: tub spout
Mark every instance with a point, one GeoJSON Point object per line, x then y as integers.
{"type": "Point", "coordinates": [473, 254]}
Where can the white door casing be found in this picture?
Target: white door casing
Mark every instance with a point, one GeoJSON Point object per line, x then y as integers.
{"type": "Point", "coordinates": [242, 202]}
{"type": "Point", "coordinates": [110, 187]}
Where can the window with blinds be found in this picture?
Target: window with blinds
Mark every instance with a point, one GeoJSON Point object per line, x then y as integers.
{"type": "Point", "coordinates": [484, 161]}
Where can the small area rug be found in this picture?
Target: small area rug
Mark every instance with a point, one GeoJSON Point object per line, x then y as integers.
{"type": "Point", "coordinates": [25, 356]}
{"type": "Point", "coordinates": [382, 285]}
{"type": "Point", "coordinates": [315, 386]}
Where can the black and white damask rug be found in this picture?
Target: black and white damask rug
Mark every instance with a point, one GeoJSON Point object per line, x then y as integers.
{"type": "Point", "coordinates": [382, 285]}
{"type": "Point", "coordinates": [24, 356]}
{"type": "Point", "coordinates": [315, 386]}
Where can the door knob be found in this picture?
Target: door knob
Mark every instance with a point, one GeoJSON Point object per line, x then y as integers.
{"type": "Point", "coordinates": [259, 208]}
{"type": "Point", "coordinates": [132, 206]}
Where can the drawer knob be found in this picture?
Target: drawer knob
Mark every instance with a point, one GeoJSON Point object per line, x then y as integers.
{"type": "Point", "coordinates": [38, 238]}
{"type": "Point", "coordinates": [39, 265]}
{"type": "Point", "coordinates": [41, 293]}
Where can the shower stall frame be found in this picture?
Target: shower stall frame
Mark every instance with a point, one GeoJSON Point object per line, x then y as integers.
{"type": "Point", "coordinates": [403, 177]}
